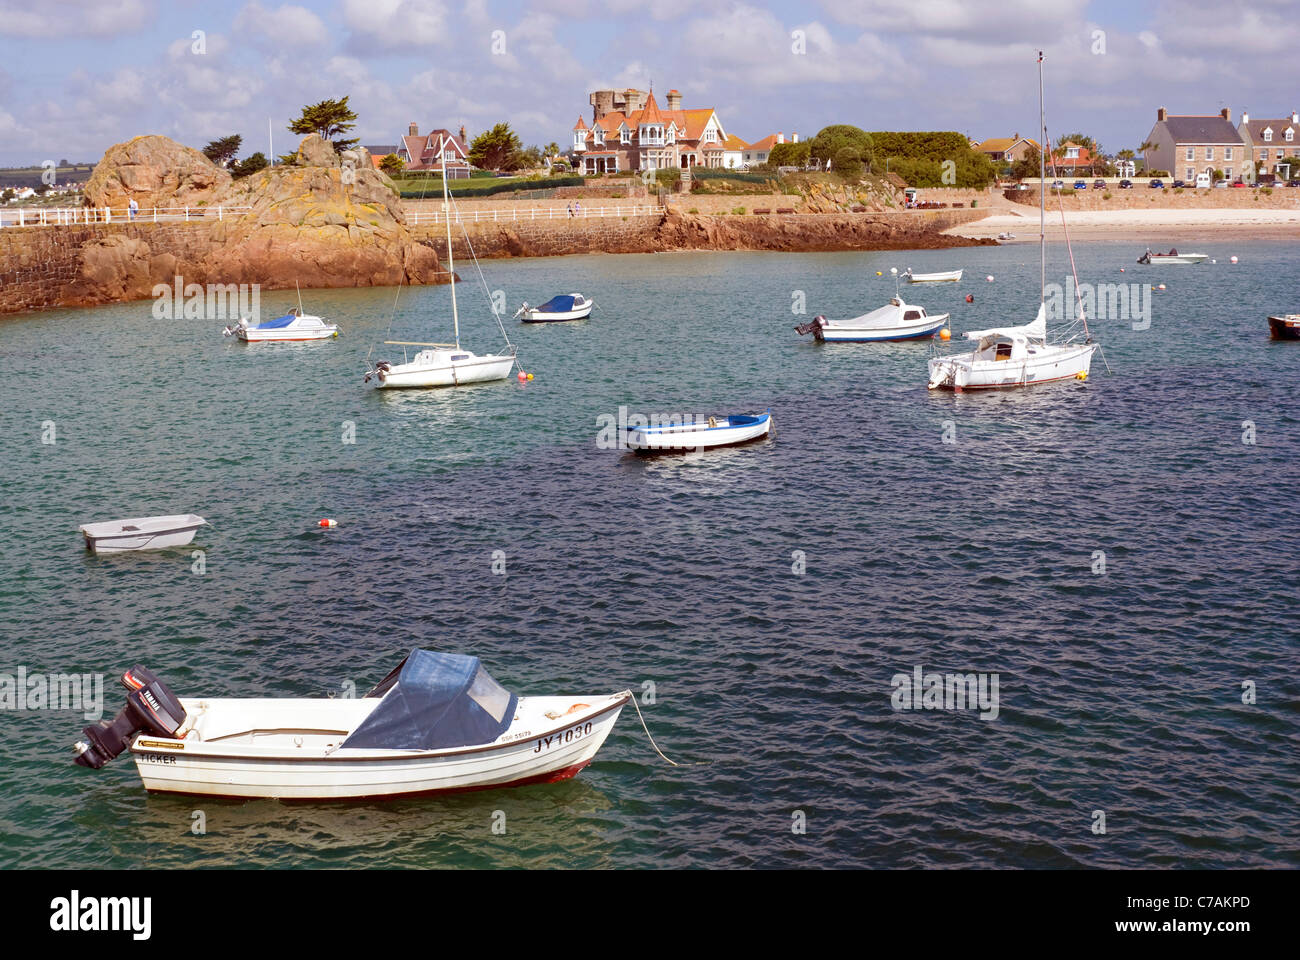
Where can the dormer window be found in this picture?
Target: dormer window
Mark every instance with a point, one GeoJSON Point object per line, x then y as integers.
{"type": "Point", "coordinates": [1290, 134]}
{"type": "Point", "coordinates": [624, 135]}
{"type": "Point", "coordinates": [1268, 135]}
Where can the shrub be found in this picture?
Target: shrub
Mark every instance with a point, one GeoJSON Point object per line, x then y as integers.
{"type": "Point", "coordinates": [738, 211]}
{"type": "Point", "coordinates": [1266, 190]}
{"type": "Point", "coordinates": [848, 163]}
{"type": "Point", "coordinates": [693, 210]}
{"type": "Point", "coordinates": [1107, 195]}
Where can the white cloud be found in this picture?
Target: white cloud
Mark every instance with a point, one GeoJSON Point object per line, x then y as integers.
{"type": "Point", "coordinates": [1008, 19]}
{"type": "Point", "coordinates": [284, 27]}
{"type": "Point", "coordinates": [379, 25]}
{"type": "Point", "coordinates": [24, 18]}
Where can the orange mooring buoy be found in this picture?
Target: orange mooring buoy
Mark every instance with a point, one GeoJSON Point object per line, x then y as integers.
{"type": "Point", "coordinates": [327, 522]}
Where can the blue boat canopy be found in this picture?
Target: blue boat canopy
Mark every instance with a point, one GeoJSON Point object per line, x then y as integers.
{"type": "Point", "coordinates": [561, 304]}
{"type": "Point", "coordinates": [277, 323]}
{"type": "Point", "coordinates": [433, 701]}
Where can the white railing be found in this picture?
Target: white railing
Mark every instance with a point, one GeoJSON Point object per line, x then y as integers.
{"type": "Point", "coordinates": [71, 216]}
{"type": "Point", "coordinates": [516, 214]}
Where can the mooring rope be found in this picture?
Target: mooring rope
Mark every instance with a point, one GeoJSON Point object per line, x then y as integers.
{"type": "Point", "coordinates": [647, 733]}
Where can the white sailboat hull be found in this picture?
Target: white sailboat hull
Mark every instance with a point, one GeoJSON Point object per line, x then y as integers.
{"type": "Point", "coordinates": [1182, 259]}
{"type": "Point", "coordinates": [537, 316]}
{"type": "Point", "coordinates": [677, 437]}
{"type": "Point", "coordinates": [305, 764]}
{"type": "Point", "coordinates": [301, 328]}
{"type": "Point", "coordinates": [1048, 364]}
{"type": "Point", "coordinates": [947, 276]}
{"type": "Point", "coordinates": [445, 371]}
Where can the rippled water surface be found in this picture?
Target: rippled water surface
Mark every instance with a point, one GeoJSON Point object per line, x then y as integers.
{"type": "Point", "coordinates": [1120, 692]}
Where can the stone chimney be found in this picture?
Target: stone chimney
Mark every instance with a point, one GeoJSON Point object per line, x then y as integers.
{"type": "Point", "coordinates": [1245, 117]}
{"type": "Point", "coordinates": [462, 133]}
{"type": "Point", "coordinates": [414, 131]}
{"type": "Point", "coordinates": [780, 137]}
{"type": "Point", "coordinates": [794, 137]}
{"type": "Point", "coordinates": [1162, 115]}
{"type": "Point", "coordinates": [1226, 114]}
{"type": "Point", "coordinates": [1295, 117]}
{"type": "Point", "coordinates": [674, 100]}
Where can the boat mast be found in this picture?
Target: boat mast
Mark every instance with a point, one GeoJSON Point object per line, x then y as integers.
{"type": "Point", "coordinates": [1042, 189]}
{"type": "Point", "coordinates": [451, 263]}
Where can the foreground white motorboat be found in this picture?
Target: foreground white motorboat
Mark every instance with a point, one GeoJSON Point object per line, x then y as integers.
{"type": "Point", "coordinates": [1020, 356]}
{"type": "Point", "coordinates": [701, 434]}
{"type": "Point", "coordinates": [947, 276]}
{"type": "Point", "coordinates": [1172, 257]}
{"type": "Point", "coordinates": [444, 364]}
{"type": "Point", "coordinates": [293, 326]}
{"type": "Point", "coordinates": [574, 306]}
{"type": "Point", "coordinates": [141, 533]}
{"type": "Point", "coordinates": [896, 320]}
{"type": "Point", "coordinates": [438, 723]}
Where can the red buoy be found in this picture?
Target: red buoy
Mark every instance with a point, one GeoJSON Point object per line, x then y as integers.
{"type": "Point", "coordinates": [327, 522]}
{"type": "Point", "coordinates": [970, 298]}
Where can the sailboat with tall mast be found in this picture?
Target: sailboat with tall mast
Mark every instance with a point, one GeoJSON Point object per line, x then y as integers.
{"type": "Point", "coordinates": [1021, 356]}
{"type": "Point", "coordinates": [444, 364]}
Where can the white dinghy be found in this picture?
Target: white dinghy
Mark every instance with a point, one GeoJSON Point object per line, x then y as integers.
{"type": "Point", "coordinates": [1020, 356]}
{"type": "Point", "coordinates": [444, 364]}
{"type": "Point", "coordinates": [573, 306]}
{"type": "Point", "coordinates": [896, 320]}
{"type": "Point", "coordinates": [141, 533]}
{"type": "Point", "coordinates": [727, 431]}
{"type": "Point", "coordinates": [946, 276]}
{"type": "Point", "coordinates": [438, 723]}
{"type": "Point", "coordinates": [1173, 257]}
{"type": "Point", "coordinates": [293, 326]}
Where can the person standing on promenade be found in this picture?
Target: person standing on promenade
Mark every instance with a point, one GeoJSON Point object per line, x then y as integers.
{"type": "Point", "coordinates": [133, 207]}
{"type": "Point", "coordinates": [577, 208]}
{"type": "Point", "coordinates": [571, 211]}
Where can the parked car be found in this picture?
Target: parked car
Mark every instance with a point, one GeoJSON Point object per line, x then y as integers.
{"type": "Point", "coordinates": [1099, 184]}
{"type": "Point", "coordinates": [1179, 183]}
{"type": "Point", "coordinates": [1293, 183]}
{"type": "Point", "coordinates": [1080, 185]}
{"type": "Point", "coordinates": [1126, 184]}
{"type": "Point", "coordinates": [1238, 183]}
{"type": "Point", "coordinates": [1221, 184]}
{"type": "Point", "coordinates": [1157, 184]}
{"type": "Point", "coordinates": [1057, 185]}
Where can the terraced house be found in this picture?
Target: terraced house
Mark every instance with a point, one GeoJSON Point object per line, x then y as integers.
{"type": "Point", "coordinates": [1188, 145]}
{"type": "Point", "coordinates": [1269, 142]}
{"type": "Point", "coordinates": [629, 131]}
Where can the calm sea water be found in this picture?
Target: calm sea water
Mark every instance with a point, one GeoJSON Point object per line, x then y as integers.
{"type": "Point", "coordinates": [1120, 692]}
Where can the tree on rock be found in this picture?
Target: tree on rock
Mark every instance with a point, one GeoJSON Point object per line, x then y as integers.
{"type": "Point", "coordinates": [392, 164]}
{"type": "Point", "coordinates": [830, 140]}
{"type": "Point", "coordinates": [249, 165]}
{"type": "Point", "coordinates": [847, 163]}
{"type": "Point", "coordinates": [496, 149]}
{"type": "Point", "coordinates": [222, 152]}
{"type": "Point", "coordinates": [789, 154]}
{"type": "Point", "coordinates": [328, 119]}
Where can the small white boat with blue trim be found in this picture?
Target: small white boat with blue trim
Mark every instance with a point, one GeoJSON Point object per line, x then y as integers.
{"type": "Point", "coordinates": [141, 533]}
{"type": "Point", "coordinates": [573, 306]}
{"type": "Point", "coordinates": [438, 723]}
{"type": "Point", "coordinates": [293, 326]}
{"type": "Point", "coordinates": [699, 434]}
{"type": "Point", "coordinates": [896, 320]}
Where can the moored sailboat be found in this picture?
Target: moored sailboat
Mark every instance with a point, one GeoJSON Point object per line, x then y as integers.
{"type": "Point", "coordinates": [1020, 356]}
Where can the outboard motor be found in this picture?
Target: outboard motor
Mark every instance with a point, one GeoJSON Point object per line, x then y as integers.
{"type": "Point", "coordinates": [150, 707]}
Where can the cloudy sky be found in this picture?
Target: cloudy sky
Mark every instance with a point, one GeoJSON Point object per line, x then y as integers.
{"type": "Point", "coordinates": [78, 76]}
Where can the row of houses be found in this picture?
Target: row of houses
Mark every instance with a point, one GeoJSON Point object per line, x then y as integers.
{"type": "Point", "coordinates": [1185, 145]}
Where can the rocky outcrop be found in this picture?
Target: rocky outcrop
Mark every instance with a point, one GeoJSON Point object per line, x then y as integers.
{"type": "Point", "coordinates": [325, 221]}
{"type": "Point", "coordinates": [155, 172]}
{"type": "Point", "coordinates": [681, 231]}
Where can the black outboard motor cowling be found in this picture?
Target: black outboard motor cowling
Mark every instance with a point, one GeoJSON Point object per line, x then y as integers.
{"type": "Point", "coordinates": [150, 707]}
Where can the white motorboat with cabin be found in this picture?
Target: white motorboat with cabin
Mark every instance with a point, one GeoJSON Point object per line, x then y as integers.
{"type": "Point", "coordinates": [293, 326]}
{"type": "Point", "coordinates": [573, 306]}
{"type": "Point", "coordinates": [444, 364]}
{"type": "Point", "coordinates": [896, 320]}
{"type": "Point", "coordinates": [1020, 356]}
{"type": "Point", "coordinates": [1172, 257]}
{"type": "Point", "coordinates": [437, 723]}
{"type": "Point", "coordinates": [141, 533]}
{"type": "Point", "coordinates": [945, 276]}
{"type": "Point", "coordinates": [699, 434]}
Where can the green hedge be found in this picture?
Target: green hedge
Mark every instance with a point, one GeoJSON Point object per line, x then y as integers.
{"type": "Point", "coordinates": [511, 186]}
{"type": "Point", "coordinates": [698, 174]}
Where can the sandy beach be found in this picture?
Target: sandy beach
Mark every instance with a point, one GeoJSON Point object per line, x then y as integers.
{"type": "Point", "coordinates": [1178, 226]}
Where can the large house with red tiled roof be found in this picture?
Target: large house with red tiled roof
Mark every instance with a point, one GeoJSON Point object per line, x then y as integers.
{"type": "Point", "coordinates": [1071, 157]}
{"type": "Point", "coordinates": [419, 151]}
{"type": "Point", "coordinates": [629, 131]}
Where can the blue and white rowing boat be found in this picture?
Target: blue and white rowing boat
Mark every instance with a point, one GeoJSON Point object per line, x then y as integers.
{"type": "Point", "coordinates": [573, 306]}
{"type": "Point", "coordinates": [725, 431]}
